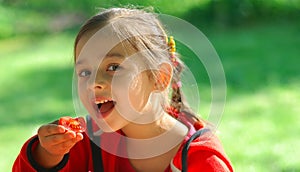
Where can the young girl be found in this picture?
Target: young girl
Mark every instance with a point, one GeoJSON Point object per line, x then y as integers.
{"type": "Point", "coordinates": [125, 68]}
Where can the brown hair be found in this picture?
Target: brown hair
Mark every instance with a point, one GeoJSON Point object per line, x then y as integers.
{"type": "Point", "coordinates": [133, 21]}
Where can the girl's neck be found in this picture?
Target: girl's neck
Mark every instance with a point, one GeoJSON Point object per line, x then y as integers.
{"type": "Point", "coordinates": [150, 130]}
{"type": "Point", "coordinates": [154, 139]}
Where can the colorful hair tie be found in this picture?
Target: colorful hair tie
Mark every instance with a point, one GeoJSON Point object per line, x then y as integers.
{"type": "Point", "coordinates": [172, 45]}
{"type": "Point", "coordinates": [172, 111]}
{"type": "Point", "coordinates": [177, 85]}
{"type": "Point", "coordinates": [172, 50]}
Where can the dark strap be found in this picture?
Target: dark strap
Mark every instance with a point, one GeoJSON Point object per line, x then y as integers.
{"type": "Point", "coordinates": [96, 150]}
{"type": "Point", "coordinates": [184, 157]}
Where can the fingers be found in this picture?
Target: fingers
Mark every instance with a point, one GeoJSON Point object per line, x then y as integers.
{"type": "Point", "coordinates": [59, 138]}
{"type": "Point", "coordinates": [64, 145]}
{"type": "Point", "coordinates": [56, 139]}
{"type": "Point", "coordinates": [50, 129]}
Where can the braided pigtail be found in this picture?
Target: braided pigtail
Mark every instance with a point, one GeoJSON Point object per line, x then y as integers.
{"type": "Point", "coordinates": [178, 105]}
{"type": "Point", "coordinates": [176, 101]}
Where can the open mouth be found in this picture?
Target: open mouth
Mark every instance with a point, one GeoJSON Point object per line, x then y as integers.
{"type": "Point", "coordinates": [105, 107]}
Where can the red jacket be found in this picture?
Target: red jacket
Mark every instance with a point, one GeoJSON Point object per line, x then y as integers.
{"type": "Point", "coordinates": [204, 154]}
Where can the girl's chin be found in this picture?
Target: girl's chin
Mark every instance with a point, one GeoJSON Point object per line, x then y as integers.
{"type": "Point", "coordinates": [107, 128]}
{"type": "Point", "coordinates": [109, 123]}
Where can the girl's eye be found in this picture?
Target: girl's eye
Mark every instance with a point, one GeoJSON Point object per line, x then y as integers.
{"type": "Point", "coordinates": [113, 67]}
{"type": "Point", "coordinates": [84, 73]}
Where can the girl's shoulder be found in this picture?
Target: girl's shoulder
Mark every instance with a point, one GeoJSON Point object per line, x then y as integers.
{"type": "Point", "coordinates": [205, 153]}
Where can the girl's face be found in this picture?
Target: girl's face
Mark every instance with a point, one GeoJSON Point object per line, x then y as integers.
{"type": "Point", "coordinates": [114, 87]}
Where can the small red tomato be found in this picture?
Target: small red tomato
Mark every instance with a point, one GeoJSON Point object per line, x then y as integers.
{"type": "Point", "coordinates": [75, 124]}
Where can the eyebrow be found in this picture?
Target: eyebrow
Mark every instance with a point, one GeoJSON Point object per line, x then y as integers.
{"type": "Point", "coordinates": [109, 55]}
{"type": "Point", "coordinates": [114, 55]}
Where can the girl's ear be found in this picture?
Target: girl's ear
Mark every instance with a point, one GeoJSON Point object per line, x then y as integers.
{"type": "Point", "coordinates": [163, 76]}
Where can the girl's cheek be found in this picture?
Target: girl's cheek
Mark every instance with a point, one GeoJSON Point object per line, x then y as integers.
{"type": "Point", "coordinates": [82, 91]}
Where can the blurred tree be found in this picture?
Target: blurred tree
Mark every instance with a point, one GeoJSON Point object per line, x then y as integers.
{"type": "Point", "coordinates": [228, 13]}
{"type": "Point", "coordinates": [36, 16]}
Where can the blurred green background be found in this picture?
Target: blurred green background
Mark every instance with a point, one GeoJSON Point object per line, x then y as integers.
{"type": "Point", "coordinates": [257, 41]}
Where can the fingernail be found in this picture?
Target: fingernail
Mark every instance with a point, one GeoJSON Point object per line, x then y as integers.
{"type": "Point", "coordinates": [72, 134]}
{"type": "Point", "coordinates": [61, 129]}
{"type": "Point", "coordinates": [79, 136]}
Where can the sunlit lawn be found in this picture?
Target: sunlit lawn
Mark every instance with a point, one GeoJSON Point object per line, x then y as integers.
{"type": "Point", "coordinates": [260, 125]}
{"type": "Point", "coordinates": [36, 77]}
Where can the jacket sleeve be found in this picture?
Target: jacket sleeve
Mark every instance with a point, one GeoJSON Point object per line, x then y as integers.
{"type": "Point", "coordinates": [78, 159]}
{"type": "Point", "coordinates": [26, 162]}
{"type": "Point", "coordinates": [22, 163]}
{"type": "Point", "coordinates": [205, 154]}
{"type": "Point", "coordinates": [207, 161]}
{"type": "Point", "coordinates": [208, 154]}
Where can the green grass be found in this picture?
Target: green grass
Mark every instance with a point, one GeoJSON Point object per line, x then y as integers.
{"type": "Point", "coordinates": [260, 125]}
{"type": "Point", "coordinates": [36, 75]}
{"type": "Point", "coordinates": [260, 130]}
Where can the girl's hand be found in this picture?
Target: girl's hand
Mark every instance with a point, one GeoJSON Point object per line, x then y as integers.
{"type": "Point", "coordinates": [54, 142]}
{"type": "Point", "coordinates": [56, 139]}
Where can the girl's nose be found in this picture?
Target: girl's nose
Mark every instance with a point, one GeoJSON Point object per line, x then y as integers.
{"type": "Point", "coordinates": [98, 85]}
{"type": "Point", "coordinates": [99, 82]}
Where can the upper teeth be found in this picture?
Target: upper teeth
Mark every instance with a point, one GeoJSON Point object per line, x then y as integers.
{"type": "Point", "coordinates": [103, 101]}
